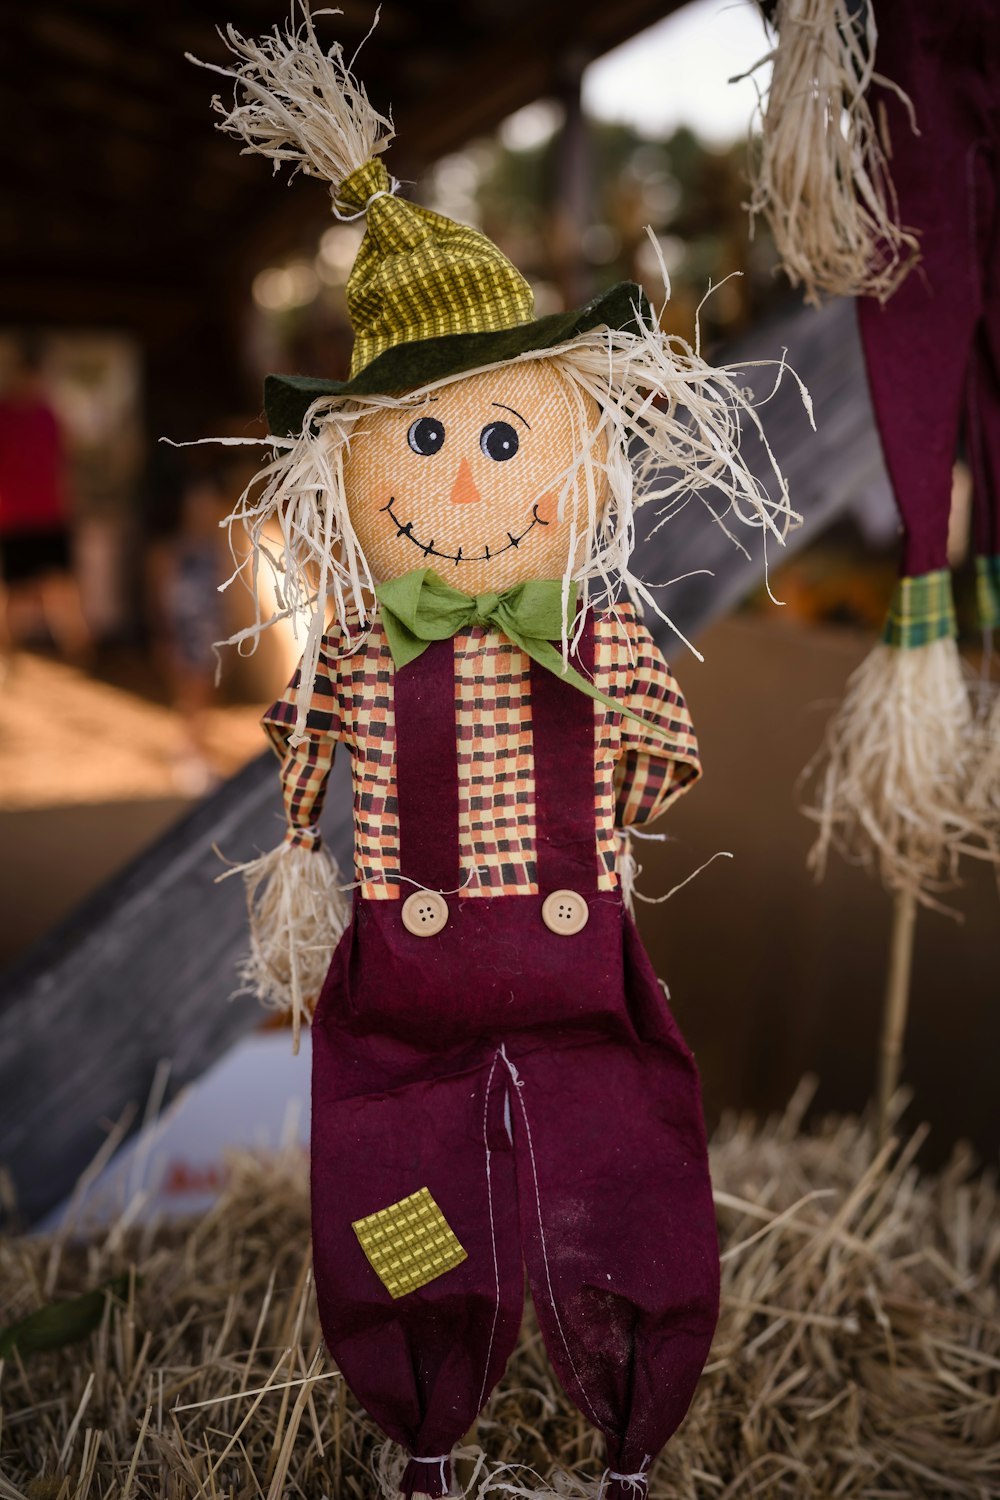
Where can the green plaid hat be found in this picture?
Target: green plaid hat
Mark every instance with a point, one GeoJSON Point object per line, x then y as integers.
{"type": "Point", "coordinates": [428, 298]}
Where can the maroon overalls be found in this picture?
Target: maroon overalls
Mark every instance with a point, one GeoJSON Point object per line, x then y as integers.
{"type": "Point", "coordinates": [538, 1086]}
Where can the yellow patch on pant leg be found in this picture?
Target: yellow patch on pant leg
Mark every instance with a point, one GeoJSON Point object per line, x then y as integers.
{"type": "Point", "coordinates": [409, 1243]}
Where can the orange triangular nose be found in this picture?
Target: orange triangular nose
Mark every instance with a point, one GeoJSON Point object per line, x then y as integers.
{"type": "Point", "coordinates": [464, 491]}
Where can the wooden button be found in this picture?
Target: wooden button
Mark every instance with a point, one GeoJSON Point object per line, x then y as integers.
{"type": "Point", "coordinates": [424, 913]}
{"type": "Point", "coordinates": [565, 912]}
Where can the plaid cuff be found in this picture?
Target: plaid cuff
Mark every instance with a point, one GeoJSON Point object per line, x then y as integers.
{"type": "Point", "coordinates": [922, 611]}
{"type": "Point", "coordinates": [988, 591]}
{"type": "Point", "coordinates": [646, 785]}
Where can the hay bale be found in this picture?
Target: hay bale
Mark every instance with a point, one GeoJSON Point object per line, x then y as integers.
{"type": "Point", "coordinates": [858, 1353]}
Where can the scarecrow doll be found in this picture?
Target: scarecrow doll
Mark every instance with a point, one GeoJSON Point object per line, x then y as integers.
{"type": "Point", "coordinates": [498, 1083]}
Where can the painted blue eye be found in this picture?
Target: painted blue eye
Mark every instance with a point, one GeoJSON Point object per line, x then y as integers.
{"type": "Point", "coordinates": [499, 441]}
{"type": "Point", "coordinates": [425, 436]}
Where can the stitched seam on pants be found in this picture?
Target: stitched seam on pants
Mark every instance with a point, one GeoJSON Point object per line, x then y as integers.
{"type": "Point", "coordinates": [493, 1236]}
{"type": "Point", "coordinates": [541, 1236]}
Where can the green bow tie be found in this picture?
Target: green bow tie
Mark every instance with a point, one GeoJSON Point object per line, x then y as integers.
{"type": "Point", "coordinates": [420, 607]}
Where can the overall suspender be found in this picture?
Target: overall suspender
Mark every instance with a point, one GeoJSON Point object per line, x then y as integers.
{"type": "Point", "coordinates": [427, 770]}
{"type": "Point", "coordinates": [562, 722]}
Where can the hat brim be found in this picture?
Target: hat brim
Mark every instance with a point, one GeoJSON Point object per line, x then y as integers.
{"type": "Point", "coordinates": [408, 366]}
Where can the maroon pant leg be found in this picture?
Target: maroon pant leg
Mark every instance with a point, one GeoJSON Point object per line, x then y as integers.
{"type": "Point", "coordinates": [423, 1364]}
{"type": "Point", "coordinates": [919, 345]}
{"type": "Point", "coordinates": [618, 1222]}
{"type": "Point", "coordinates": [983, 405]}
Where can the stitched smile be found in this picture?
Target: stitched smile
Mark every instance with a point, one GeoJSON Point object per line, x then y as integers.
{"type": "Point", "coordinates": [429, 549]}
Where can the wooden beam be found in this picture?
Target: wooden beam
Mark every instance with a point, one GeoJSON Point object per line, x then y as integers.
{"type": "Point", "coordinates": [517, 66]}
{"type": "Point", "coordinates": [118, 160]}
{"type": "Point", "coordinates": [135, 976]}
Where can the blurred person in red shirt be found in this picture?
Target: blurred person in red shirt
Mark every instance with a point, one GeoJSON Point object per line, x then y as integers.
{"type": "Point", "coordinates": [186, 566]}
{"type": "Point", "coordinates": [35, 543]}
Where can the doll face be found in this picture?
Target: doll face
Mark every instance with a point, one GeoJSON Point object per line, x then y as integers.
{"type": "Point", "coordinates": [468, 481]}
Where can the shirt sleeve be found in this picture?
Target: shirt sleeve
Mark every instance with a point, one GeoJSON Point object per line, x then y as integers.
{"type": "Point", "coordinates": [306, 767]}
{"type": "Point", "coordinates": [652, 772]}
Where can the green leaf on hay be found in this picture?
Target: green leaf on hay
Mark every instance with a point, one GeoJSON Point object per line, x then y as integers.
{"type": "Point", "coordinates": [61, 1323]}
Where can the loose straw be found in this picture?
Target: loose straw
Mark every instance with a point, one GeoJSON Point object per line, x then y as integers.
{"type": "Point", "coordinates": [858, 1350]}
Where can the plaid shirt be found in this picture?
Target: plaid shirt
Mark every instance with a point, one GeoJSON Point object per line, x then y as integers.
{"type": "Point", "coordinates": [636, 775]}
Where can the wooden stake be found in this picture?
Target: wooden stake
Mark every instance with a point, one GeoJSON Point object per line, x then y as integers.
{"type": "Point", "coordinates": [897, 1000]}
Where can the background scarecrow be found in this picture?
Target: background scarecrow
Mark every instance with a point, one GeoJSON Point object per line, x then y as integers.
{"type": "Point", "coordinates": [908, 779]}
{"type": "Point", "coordinates": [497, 1079]}
{"type": "Point", "coordinates": [911, 88]}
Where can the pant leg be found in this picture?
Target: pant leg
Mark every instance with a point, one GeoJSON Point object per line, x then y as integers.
{"type": "Point", "coordinates": [618, 1225]}
{"type": "Point", "coordinates": [918, 346]}
{"type": "Point", "coordinates": [423, 1363]}
{"type": "Point", "coordinates": [983, 395]}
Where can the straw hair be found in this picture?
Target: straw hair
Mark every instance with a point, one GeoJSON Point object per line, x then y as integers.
{"type": "Point", "coordinates": [820, 175]}
{"type": "Point", "coordinates": [888, 788]}
{"type": "Point", "coordinates": [857, 1352]}
{"type": "Point", "coordinates": [295, 103]}
{"type": "Point", "coordinates": [655, 424]}
{"type": "Point", "coordinates": [297, 913]}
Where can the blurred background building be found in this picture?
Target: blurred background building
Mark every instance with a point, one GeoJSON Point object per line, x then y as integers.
{"type": "Point", "coordinates": [152, 275]}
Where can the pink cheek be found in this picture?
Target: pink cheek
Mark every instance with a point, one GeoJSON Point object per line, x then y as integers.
{"type": "Point", "coordinates": [548, 507]}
